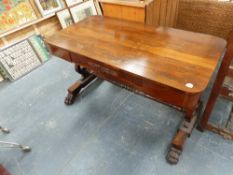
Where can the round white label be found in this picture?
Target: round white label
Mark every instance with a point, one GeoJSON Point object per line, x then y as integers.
{"type": "Point", "coordinates": [189, 85]}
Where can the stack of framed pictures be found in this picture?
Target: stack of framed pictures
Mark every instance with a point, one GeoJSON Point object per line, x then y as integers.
{"type": "Point", "coordinates": [18, 59]}
{"type": "Point", "coordinates": [22, 57]}
{"type": "Point", "coordinates": [40, 47]}
{"type": "Point", "coordinates": [3, 74]}
{"type": "Point", "coordinates": [83, 10]}
{"type": "Point", "coordinates": [77, 12]}
{"type": "Point", "coordinates": [14, 13]}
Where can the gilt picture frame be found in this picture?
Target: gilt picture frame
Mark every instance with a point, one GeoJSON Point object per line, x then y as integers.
{"type": "Point", "coordinates": [83, 10]}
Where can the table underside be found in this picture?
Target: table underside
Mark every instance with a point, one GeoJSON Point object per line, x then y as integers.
{"type": "Point", "coordinates": [91, 69]}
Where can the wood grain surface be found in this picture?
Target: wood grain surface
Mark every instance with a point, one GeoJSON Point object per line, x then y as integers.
{"type": "Point", "coordinates": [167, 56]}
{"type": "Point", "coordinates": [169, 65]}
{"type": "Point", "coordinates": [125, 12]}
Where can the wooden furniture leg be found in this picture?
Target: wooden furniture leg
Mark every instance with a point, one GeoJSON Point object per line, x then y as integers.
{"type": "Point", "coordinates": [184, 131]}
{"type": "Point", "coordinates": [75, 88]}
{"type": "Point", "coordinates": [3, 171]}
{"type": "Point", "coordinates": [213, 98]}
{"type": "Point", "coordinates": [223, 70]}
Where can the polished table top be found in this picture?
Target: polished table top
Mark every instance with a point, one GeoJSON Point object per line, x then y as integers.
{"type": "Point", "coordinates": [179, 59]}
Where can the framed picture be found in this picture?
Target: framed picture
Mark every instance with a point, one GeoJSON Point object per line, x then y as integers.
{"type": "Point", "coordinates": [47, 7]}
{"type": "Point", "coordinates": [98, 7]}
{"type": "Point", "coordinates": [72, 2]}
{"type": "Point", "coordinates": [18, 59]}
{"type": "Point", "coordinates": [65, 18]}
{"type": "Point", "coordinates": [14, 13]}
{"type": "Point", "coordinates": [81, 11]}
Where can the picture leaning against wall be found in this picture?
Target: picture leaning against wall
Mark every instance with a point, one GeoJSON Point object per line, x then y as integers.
{"type": "Point", "coordinates": [83, 10]}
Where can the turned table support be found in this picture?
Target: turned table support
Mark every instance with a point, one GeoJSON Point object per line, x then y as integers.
{"type": "Point", "coordinates": [183, 133]}
{"type": "Point", "coordinates": [75, 88]}
{"type": "Point", "coordinates": [3, 171]}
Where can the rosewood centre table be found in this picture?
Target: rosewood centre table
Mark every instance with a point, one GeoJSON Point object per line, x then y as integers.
{"type": "Point", "coordinates": [168, 65]}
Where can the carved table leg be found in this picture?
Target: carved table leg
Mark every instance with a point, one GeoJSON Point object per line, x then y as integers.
{"type": "Point", "coordinates": [81, 70]}
{"type": "Point", "coordinates": [184, 131]}
{"type": "Point", "coordinates": [3, 170]}
{"type": "Point", "coordinates": [74, 89]}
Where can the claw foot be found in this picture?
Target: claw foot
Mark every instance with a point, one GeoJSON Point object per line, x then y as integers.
{"type": "Point", "coordinates": [69, 100]}
{"type": "Point", "coordinates": [173, 156]}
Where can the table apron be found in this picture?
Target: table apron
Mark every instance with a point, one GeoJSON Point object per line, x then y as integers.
{"type": "Point", "coordinates": [149, 88]}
